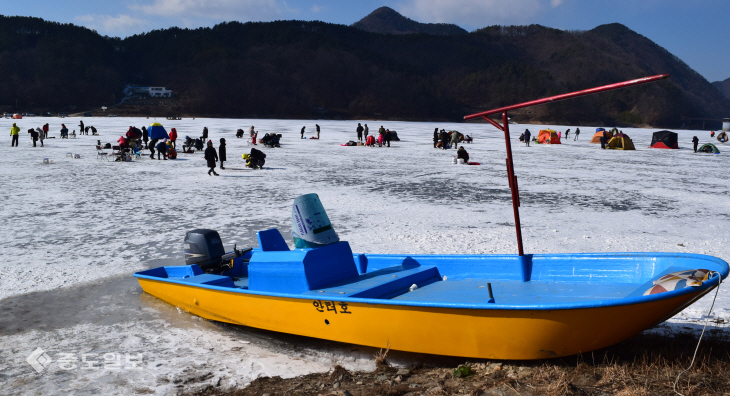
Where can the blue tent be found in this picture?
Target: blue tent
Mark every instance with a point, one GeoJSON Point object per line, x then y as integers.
{"type": "Point", "coordinates": [157, 131]}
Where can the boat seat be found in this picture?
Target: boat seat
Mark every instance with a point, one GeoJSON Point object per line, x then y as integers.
{"type": "Point", "coordinates": [400, 284]}
{"type": "Point", "coordinates": [210, 279]}
{"type": "Point", "coordinates": [272, 241]}
{"type": "Point", "coordinates": [385, 283]}
{"type": "Point", "coordinates": [174, 272]}
{"type": "Point", "coordinates": [299, 270]}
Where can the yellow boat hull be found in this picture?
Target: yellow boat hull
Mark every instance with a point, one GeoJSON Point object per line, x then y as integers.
{"type": "Point", "coordinates": [476, 333]}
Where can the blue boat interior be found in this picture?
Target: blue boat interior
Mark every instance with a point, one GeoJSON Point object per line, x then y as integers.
{"type": "Point", "coordinates": [334, 272]}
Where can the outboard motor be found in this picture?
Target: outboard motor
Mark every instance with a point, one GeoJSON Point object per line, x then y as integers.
{"type": "Point", "coordinates": [205, 248]}
{"type": "Point", "coordinates": [311, 227]}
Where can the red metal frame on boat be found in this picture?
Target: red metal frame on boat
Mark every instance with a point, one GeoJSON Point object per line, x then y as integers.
{"type": "Point", "coordinates": [505, 127]}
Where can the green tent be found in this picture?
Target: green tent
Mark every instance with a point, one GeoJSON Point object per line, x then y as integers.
{"type": "Point", "coordinates": [708, 148]}
{"type": "Point", "coordinates": [621, 142]}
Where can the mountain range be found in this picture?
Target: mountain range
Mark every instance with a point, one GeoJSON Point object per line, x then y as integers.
{"type": "Point", "coordinates": [385, 66]}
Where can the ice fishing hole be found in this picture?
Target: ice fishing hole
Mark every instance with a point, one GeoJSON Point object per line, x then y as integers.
{"type": "Point", "coordinates": [327, 322]}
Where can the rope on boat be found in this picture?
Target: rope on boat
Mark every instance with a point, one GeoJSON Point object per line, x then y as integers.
{"type": "Point", "coordinates": [707, 319]}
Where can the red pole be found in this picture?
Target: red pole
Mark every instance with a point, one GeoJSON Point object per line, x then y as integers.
{"type": "Point", "coordinates": [570, 95]}
{"type": "Point", "coordinates": [491, 121]}
{"type": "Point", "coordinates": [512, 183]}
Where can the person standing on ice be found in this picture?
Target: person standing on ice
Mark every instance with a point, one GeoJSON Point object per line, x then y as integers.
{"type": "Point", "coordinates": [560, 135]}
{"type": "Point", "coordinates": [45, 131]}
{"type": "Point", "coordinates": [454, 139]}
{"type": "Point", "coordinates": [41, 135]}
{"type": "Point", "coordinates": [359, 130]}
{"type": "Point", "coordinates": [33, 136]}
{"type": "Point", "coordinates": [81, 125]}
{"type": "Point", "coordinates": [381, 136]}
{"type": "Point", "coordinates": [577, 132]}
{"type": "Point", "coordinates": [435, 137]}
{"type": "Point", "coordinates": [365, 131]}
{"type": "Point", "coordinates": [14, 131]}
{"type": "Point", "coordinates": [222, 152]}
{"type": "Point", "coordinates": [317, 125]}
{"type": "Point", "coordinates": [444, 139]}
{"type": "Point", "coordinates": [151, 146]}
{"type": "Point", "coordinates": [145, 136]}
{"type": "Point", "coordinates": [567, 132]}
{"type": "Point", "coordinates": [303, 128]}
{"type": "Point", "coordinates": [211, 157]}
{"type": "Point", "coordinates": [173, 137]}
{"type": "Point", "coordinates": [527, 137]}
{"type": "Point", "coordinates": [695, 141]}
{"type": "Point", "coordinates": [251, 131]}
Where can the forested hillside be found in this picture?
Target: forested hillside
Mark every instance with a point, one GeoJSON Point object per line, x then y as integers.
{"type": "Point", "coordinates": [291, 69]}
{"type": "Point", "coordinates": [723, 86]}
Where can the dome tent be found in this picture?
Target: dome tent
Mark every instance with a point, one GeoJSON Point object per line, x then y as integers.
{"type": "Point", "coordinates": [708, 148]}
{"type": "Point", "coordinates": [621, 141]}
{"type": "Point", "coordinates": [157, 131]}
{"type": "Point", "coordinates": [664, 140]}
{"type": "Point", "coordinates": [548, 136]}
{"type": "Point", "coordinates": [598, 135]}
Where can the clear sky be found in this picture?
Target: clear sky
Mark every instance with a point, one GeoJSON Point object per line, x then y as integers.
{"type": "Point", "coordinates": [697, 31]}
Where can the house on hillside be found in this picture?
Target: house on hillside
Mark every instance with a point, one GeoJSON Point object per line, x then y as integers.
{"type": "Point", "coordinates": [153, 92]}
{"type": "Point", "coordinates": [160, 92]}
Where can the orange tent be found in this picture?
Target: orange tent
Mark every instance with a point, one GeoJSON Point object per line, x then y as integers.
{"type": "Point", "coordinates": [548, 136]}
{"type": "Point", "coordinates": [599, 134]}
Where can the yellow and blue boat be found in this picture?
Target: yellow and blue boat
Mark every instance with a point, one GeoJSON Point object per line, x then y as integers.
{"type": "Point", "coordinates": [481, 306]}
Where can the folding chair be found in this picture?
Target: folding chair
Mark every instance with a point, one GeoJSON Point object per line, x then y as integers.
{"type": "Point", "coordinates": [100, 153]}
{"type": "Point", "coordinates": [116, 153]}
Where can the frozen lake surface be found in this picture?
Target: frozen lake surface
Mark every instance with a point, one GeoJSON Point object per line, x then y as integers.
{"type": "Point", "coordinates": [78, 229]}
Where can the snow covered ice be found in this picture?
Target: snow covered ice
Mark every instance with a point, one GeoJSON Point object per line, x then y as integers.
{"type": "Point", "coordinates": [76, 230]}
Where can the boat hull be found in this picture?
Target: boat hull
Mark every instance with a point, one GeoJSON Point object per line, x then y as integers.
{"type": "Point", "coordinates": [476, 333]}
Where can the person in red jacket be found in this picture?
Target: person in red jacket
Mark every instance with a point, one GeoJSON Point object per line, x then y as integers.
{"type": "Point", "coordinates": [45, 131]}
{"type": "Point", "coordinates": [173, 137]}
{"type": "Point", "coordinates": [131, 137]}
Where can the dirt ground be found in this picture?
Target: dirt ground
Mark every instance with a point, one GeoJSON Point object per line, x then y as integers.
{"type": "Point", "coordinates": [647, 364]}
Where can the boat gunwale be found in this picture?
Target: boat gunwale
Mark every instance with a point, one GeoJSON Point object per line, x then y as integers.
{"type": "Point", "coordinates": [702, 289]}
